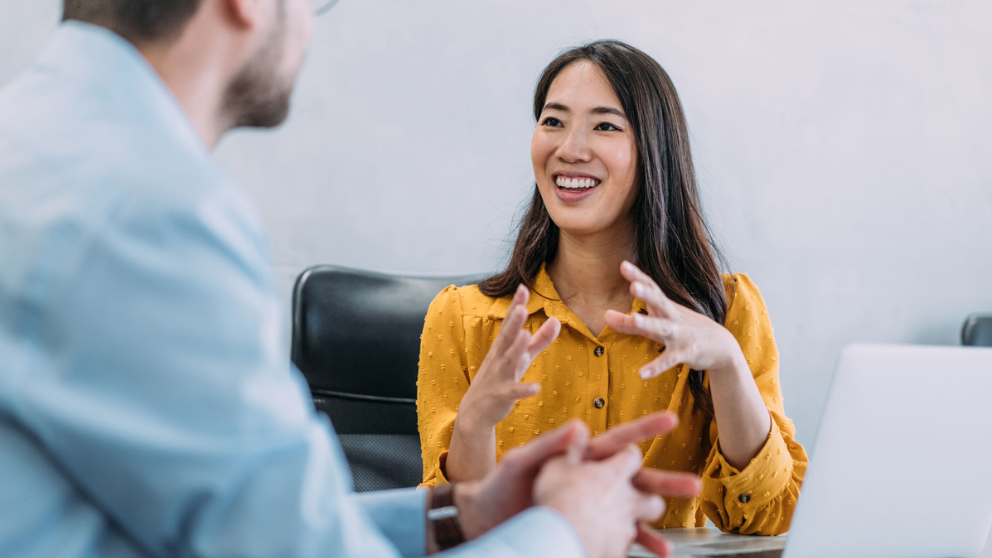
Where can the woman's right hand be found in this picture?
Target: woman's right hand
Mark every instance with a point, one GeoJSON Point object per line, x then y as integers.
{"type": "Point", "coordinates": [496, 387]}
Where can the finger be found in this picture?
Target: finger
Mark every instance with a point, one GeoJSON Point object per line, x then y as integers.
{"type": "Point", "coordinates": [648, 507]}
{"type": "Point", "coordinates": [667, 360]}
{"type": "Point", "coordinates": [625, 462]}
{"type": "Point", "coordinates": [527, 460]}
{"type": "Point", "coordinates": [522, 359]}
{"type": "Point", "coordinates": [514, 319]}
{"type": "Point", "coordinates": [578, 445]}
{"type": "Point", "coordinates": [654, 298]}
{"type": "Point", "coordinates": [653, 328]}
{"type": "Point", "coordinates": [544, 336]}
{"type": "Point", "coordinates": [633, 432]}
{"type": "Point", "coordinates": [667, 483]}
{"type": "Point", "coordinates": [633, 273]}
{"type": "Point", "coordinates": [659, 329]}
{"type": "Point", "coordinates": [620, 322]}
{"type": "Point", "coordinates": [651, 540]}
{"type": "Point", "coordinates": [514, 357]}
{"type": "Point", "coordinates": [520, 296]}
{"type": "Point", "coordinates": [523, 391]}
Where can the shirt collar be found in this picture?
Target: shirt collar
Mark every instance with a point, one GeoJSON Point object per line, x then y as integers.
{"type": "Point", "coordinates": [544, 296]}
{"type": "Point", "coordinates": [104, 68]}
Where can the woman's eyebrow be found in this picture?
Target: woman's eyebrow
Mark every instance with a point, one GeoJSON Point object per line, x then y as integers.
{"type": "Point", "coordinates": [597, 110]}
{"type": "Point", "coordinates": [608, 110]}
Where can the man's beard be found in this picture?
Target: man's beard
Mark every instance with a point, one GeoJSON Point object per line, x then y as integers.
{"type": "Point", "coordinates": [256, 98]}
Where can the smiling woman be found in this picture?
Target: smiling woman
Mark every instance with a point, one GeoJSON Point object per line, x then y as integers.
{"type": "Point", "coordinates": [595, 338]}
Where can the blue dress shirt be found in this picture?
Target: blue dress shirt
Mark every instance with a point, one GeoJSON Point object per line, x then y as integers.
{"type": "Point", "coordinates": [147, 407]}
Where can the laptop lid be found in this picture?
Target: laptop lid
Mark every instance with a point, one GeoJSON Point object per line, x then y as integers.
{"type": "Point", "coordinates": [902, 462]}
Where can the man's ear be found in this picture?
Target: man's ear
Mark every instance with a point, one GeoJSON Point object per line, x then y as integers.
{"type": "Point", "coordinates": [246, 14]}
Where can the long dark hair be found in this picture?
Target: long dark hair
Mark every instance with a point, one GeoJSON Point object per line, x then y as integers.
{"type": "Point", "coordinates": [672, 243]}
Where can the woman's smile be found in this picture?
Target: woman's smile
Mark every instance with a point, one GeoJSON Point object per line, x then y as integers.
{"type": "Point", "coordinates": [574, 187]}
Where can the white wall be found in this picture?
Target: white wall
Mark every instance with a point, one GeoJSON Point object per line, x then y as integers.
{"type": "Point", "coordinates": [843, 148]}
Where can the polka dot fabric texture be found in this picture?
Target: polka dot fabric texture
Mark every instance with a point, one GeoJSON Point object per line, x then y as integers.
{"type": "Point", "coordinates": [596, 379]}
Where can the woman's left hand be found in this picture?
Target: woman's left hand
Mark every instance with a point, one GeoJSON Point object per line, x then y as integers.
{"type": "Point", "coordinates": [689, 337]}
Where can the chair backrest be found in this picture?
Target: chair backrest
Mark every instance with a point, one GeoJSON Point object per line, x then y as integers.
{"type": "Point", "coordinates": [977, 330]}
{"type": "Point", "coordinates": [356, 338]}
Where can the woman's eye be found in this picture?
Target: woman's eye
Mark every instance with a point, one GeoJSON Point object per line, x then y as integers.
{"type": "Point", "coordinates": [607, 127]}
{"type": "Point", "coordinates": [551, 121]}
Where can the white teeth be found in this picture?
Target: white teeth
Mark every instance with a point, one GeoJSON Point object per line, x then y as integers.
{"type": "Point", "coordinates": [576, 183]}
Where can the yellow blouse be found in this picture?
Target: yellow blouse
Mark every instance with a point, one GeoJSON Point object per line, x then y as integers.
{"type": "Point", "coordinates": [596, 380]}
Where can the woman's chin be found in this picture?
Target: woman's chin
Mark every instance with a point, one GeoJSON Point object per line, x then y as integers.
{"type": "Point", "coordinates": [581, 228]}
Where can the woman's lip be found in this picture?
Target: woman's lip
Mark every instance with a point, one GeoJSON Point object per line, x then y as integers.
{"type": "Point", "coordinates": [576, 195]}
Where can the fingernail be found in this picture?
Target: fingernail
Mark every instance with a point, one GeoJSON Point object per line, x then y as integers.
{"type": "Point", "coordinates": [638, 319]}
{"type": "Point", "coordinates": [646, 373]}
{"type": "Point", "coordinates": [638, 289]}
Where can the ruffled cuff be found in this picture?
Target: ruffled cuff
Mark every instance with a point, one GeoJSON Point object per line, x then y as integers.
{"type": "Point", "coordinates": [760, 482]}
{"type": "Point", "coordinates": [438, 476]}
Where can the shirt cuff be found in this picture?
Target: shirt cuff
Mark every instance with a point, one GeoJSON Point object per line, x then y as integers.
{"type": "Point", "coordinates": [535, 532]}
{"type": "Point", "coordinates": [400, 516]}
{"type": "Point", "coordinates": [763, 479]}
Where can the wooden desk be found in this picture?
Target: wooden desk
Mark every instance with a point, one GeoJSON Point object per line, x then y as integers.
{"type": "Point", "coordinates": [708, 541]}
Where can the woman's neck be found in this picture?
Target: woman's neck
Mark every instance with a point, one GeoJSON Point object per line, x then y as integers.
{"type": "Point", "coordinates": [586, 274]}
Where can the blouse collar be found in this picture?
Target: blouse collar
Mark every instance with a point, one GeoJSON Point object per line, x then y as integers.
{"type": "Point", "coordinates": [544, 296]}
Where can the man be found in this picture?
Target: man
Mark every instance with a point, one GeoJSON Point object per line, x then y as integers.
{"type": "Point", "coordinates": [146, 407]}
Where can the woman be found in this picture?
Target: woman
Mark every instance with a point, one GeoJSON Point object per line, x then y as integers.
{"type": "Point", "coordinates": [597, 338]}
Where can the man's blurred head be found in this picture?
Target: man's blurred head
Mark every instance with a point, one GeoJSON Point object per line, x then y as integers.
{"type": "Point", "coordinates": [255, 46]}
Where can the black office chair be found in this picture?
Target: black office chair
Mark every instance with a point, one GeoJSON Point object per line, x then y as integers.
{"type": "Point", "coordinates": [977, 330]}
{"type": "Point", "coordinates": [356, 338]}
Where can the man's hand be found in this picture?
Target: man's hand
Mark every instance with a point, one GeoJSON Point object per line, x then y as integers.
{"type": "Point", "coordinates": [508, 489]}
{"type": "Point", "coordinates": [598, 498]}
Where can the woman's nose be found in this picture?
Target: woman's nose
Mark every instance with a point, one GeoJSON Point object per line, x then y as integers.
{"type": "Point", "coordinates": [575, 148]}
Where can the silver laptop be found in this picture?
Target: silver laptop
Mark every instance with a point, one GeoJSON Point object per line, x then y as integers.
{"type": "Point", "coordinates": [902, 463]}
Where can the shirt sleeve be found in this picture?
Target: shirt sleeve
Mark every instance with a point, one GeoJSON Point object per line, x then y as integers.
{"type": "Point", "coordinates": [760, 498]}
{"type": "Point", "coordinates": [400, 515]}
{"type": "Point", "coordinates": [442, 381]}
{"type": "Point", "coordinates": [534, 532]}
{"type": "Point", "coordinates": [164, 394]}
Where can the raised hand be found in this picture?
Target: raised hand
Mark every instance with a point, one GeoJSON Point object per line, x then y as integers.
{"type": "Point", "coordinates": [696, 340]}
{"type": "Point", "coordinates": [494, 390]}
{"type": "Point", "coordinates": [496, 387]}
{"type": "Point", "coordinates": [689, 337]}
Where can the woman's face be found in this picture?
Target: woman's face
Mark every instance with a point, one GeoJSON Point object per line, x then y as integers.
{"type": "Point", "coordinates": [585, 159]}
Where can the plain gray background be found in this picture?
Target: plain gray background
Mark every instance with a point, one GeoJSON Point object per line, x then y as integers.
{"type": "Point", "coordinates": [843, 149]}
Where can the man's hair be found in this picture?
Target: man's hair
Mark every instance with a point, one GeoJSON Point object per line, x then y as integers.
{"type": "Point", "coordinates": [139, 21]}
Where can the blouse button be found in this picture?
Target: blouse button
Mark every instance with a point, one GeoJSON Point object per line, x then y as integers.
{"type": "Point", "coordinates": [598, 403]}
{"type": "Point", "coordinates": [744, 498]}
{"type": "Point", "coordinates": [598, 351]}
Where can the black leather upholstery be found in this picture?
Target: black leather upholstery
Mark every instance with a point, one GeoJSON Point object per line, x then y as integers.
{"type": "Point", "coordinates": [356, 338]}
{"type": "Point", "coordinates": [977, 330]}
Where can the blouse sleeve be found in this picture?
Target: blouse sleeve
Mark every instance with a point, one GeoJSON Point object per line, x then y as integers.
{"type": "Point", "coordinates": [442, 381]}
{"type": "Point", "coordinates": [760, 498]}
